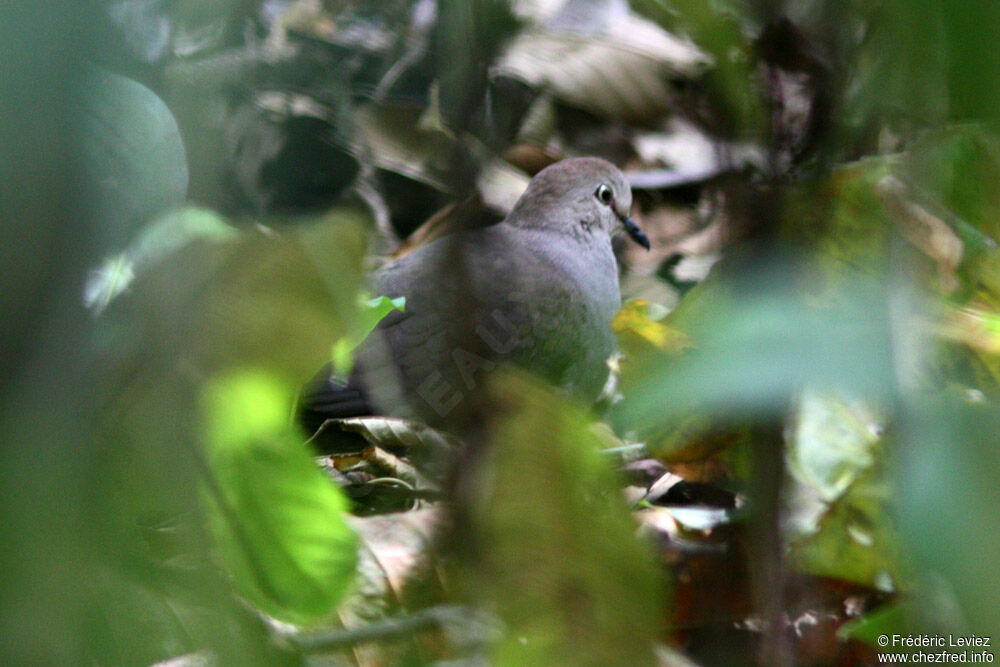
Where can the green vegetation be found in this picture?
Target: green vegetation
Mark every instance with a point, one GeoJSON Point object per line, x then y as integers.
{"type": "Point", "coordinates": [194, 193]}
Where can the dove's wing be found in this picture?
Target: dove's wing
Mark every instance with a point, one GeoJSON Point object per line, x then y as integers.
{"type": "Point", "coordinates": [512, 299]}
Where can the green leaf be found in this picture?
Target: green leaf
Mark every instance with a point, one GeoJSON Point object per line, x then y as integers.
{"type": "Point", "coordinates": [840, 492]}
{"type": "Point", "coordinates": [948, 479]}
{"type": "Point", "coordinates": [135, 159]}
{"type": "Point", "coordinates": [370, 314]}
{"type": "Point", "coordinates": [889, 620]}
{"type": "Point", "coordinates": [957, 168]}
{"type": "Point", "coordinates": [278, 521]}
{"type": "Point", "coordinates": [928, 609]}
{"type": "Point", "coordinates": [833, 443]}
{"type": "Point", "coordinates": [753, 353]}
{"type": "Point", "coordinates": [559, 560]}
{"type": "Point", "coordinates": [160, 239]}
{"type": "Point", "coordinates": [272, 303]}
{"type": "Point", "coordinates": [107, 281]}
{"type": "Point", "coordinates": [172, 231]}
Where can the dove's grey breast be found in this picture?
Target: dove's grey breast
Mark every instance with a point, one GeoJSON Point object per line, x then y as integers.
{"type": "Point", "coordinates": [538, 298]}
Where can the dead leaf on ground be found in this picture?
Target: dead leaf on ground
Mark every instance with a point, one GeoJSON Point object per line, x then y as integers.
{"type": "Point", "coordinates": [622, 73]}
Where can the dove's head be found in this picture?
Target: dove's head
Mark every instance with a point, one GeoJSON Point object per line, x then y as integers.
{"type": "Point", "coordinates": [578, 195]}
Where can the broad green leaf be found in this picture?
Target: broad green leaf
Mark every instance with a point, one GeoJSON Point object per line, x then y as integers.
{"type": "Point", "coordinates": [928, 609]}
{"type": "Point", "coordinates": [958, 167]}
{"type": "Point", "coordinates": [753, 353]}
{"type": "Point", "coordinates": [272, 303]}
{"type": "Point", "coordinates": [839, 493]}
{"type": "Point", "coordinates": [278, 521]}
{"type": "Point", "coordinates": [948, 479]}
{"type": "Point", "coordinates": [887, 621]}
{"type": "Point", "coordinates": [559, 558]}
{"type": "Point", "coordinates": [175, 229]}
{"type": "Point", "coordinates": [157, 241]}
{"type": "Point", "coordinates": [136, 165]}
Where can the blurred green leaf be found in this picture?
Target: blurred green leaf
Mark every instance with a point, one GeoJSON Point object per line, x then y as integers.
{"type": "Point", "coordinates": [840, 493]}
{"type": "Point", "coordinates": [948, 476]}
{"type": "Point", "coordinates": [278, 521]}
{"type": "Point", "coordinates": [926, 62]}
{"type": "Point", "coordinates": [107, 281]}
{"type": "Point", "coordinates": [855, 228]}
{"type": "Point", "coordinates": [132, 622]}
{"type": "Point", "coordinates": [928, 608]}
{"type": "Point", "coordinates": [890, 620]}
{"type": "Point", "coordinates": [136, 166]}
{"type": "Point", "coordinates": [273, 303]}
{"type": "Point", "coordinates": [974, 331]}
{"type": "Point", "coordinates": [172, 231]}
{"type": "Point", "coordinates": [752, 355]}
{"type": "Point", "coordinates": [900, 66]}
{"type": "Point", "coordinates": [973, 60]}
{"type": "Point", "coordinates": [161, 238]}
{"type": "Point", "coordinates": [564, 567]}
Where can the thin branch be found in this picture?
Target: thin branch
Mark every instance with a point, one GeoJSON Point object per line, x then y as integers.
{"type": "Point", "coordinates": [387, 629]}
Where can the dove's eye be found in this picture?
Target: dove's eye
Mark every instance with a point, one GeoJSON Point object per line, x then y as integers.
{"type": "Point", "coordinates": [604, 194]}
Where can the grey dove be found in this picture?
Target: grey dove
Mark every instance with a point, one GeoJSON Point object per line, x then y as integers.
{"type": "Point", "coordinates": [537, 290]}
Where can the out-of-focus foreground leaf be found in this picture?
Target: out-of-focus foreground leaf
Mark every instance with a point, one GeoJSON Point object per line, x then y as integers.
{"type": "Point", "coordinates": [157, 241]}
{"type": "Point", "coordinates": [959, 166]}
{"type": "Point", "coordinates": [554, 551]}
{"type": "Point", "coordinates": [925, 63]}
{"type": "Point", "coordinates": [751, 354]}
{"type": "Point", "coordinates": [136, 162]}
{"type": "Point", "coordinates": [46, 448]}
{"type": "Point", "coordinates": [270, 303]}
{"type": "Point", "coordinates": [279, 522]}
{"type": "Point", "coordinates": [855, 540]}
{"type": "Point", "coordinates": [948, 497]}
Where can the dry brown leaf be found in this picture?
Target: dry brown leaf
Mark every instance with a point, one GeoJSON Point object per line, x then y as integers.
{"type": "Point", "coordinates": [621, 73]}
{"type": "Point", "coordinates": [499, 184]}
{"type": "Point", "coordinates": [927, 232]}
{"type": "Point", "coordinates": [392, 547]}
{"type": "Point", "coordinates": [397, 144]}
{"type": "Point", "coordinates": [390, 432]}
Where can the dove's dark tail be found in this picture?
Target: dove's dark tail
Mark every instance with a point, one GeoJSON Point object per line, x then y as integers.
{"type": "Point", "coordinates": [326, 397]}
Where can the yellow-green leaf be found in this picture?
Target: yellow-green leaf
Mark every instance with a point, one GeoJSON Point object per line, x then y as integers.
{"type": "Point", "coordinates": [278, 522]}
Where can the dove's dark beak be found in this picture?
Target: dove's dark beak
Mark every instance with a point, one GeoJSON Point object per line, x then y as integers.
{"type": "Point", "coordinates": [635, 233]}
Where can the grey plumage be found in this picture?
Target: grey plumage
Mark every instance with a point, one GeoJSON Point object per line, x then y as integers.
{"type": "Point", "coordinates": [537, 290]}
